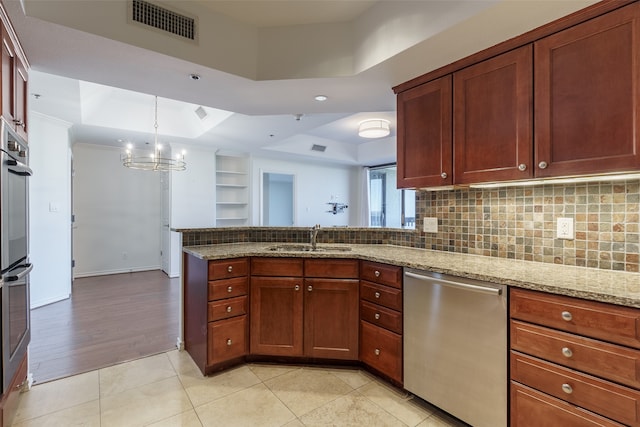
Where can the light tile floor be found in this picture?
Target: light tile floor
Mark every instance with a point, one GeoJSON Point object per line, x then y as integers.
{"type": "Point", "coordinates": [168, 390]}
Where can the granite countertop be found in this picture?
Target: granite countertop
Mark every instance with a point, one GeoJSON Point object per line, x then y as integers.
{"type": "Point", "coordinates": [617, 287]}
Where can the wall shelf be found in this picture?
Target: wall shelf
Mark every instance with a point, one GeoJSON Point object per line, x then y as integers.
{"type": "Point", "coordinates": [232, 190]}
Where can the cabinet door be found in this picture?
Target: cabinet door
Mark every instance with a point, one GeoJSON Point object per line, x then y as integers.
{"type": "Point", "coordinates": [587, 97]}
{"type": "Point", "coordinates": [424, 135]}
{"type": "Point", "coordinates": [8, 68]}
{"type": "Point", "coordinates": [492, 119]}
{"type": "Point", "coordinates": [21, 96]}
{"type": "Point", "coordinates": [331, 318]}
{"type": "Point", "coordinates": [276, 316]}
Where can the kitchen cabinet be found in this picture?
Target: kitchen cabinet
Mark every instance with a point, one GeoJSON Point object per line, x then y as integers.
{"type": "Point", "coordinates": [573, 362]}
{"type": "Point", "coordinates": [14, 85]}
{"type": "Point", "coordinates": [11, 398]}
{"type": "Point", "coordinates": [424, 138]}
{"type": "Point", "coordinates": [381, 319]}
{"type": "Point", "coordinates": [587, 95]}
{"type": "Point", "coordinates": [313, 316]}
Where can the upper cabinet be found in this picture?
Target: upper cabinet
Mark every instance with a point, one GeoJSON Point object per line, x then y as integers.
{"type": "Point", "coordinates": [565, 102]}
{"type": "Point", "coordinates": [14, 82]}
{"type": "Point", "coordinates": [587, 92]}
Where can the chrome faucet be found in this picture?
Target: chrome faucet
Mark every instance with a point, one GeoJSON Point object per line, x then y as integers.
{"type": "Point", "coordinates": [313, 234]}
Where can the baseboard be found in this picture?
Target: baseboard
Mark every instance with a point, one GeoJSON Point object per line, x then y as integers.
{"type": "Point", "coordinates": [116, 271]}
{"type": "Point", "coordinates": [48, 301]}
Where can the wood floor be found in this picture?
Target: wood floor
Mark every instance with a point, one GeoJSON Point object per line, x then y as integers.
{"type": "Point", "coordinates": [108, 320]}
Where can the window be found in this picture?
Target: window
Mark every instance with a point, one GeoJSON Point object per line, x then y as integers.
{"type": "Point", "coordinates": [388, 205]}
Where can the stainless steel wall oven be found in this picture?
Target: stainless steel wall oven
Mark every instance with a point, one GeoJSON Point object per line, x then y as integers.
{"type": "Point", "coordinates": [14, 251]}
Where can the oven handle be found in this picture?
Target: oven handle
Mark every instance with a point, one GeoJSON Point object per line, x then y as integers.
{"type": "Point", "coordinates": [20, 275]}
{"type": "Point", "coordinates": [18, 168]}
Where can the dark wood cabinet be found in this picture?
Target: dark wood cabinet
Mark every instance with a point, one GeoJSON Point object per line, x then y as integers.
{"type": "Point", "coordinates": [492, 104]}
{"type": "Point", "coordinates": [587, 95]}
{"type": "Point", "coordinates": [14, 85]}
{"type": "Point", "coordinates": [424, 143]}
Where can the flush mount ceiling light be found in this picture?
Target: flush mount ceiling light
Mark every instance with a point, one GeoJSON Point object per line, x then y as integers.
{"type": "Point", "coordinates": [321, 98]}
{"type": "Point", "coordinates": [374, 128]}
{"type": "Point", "coordinates": [153, 161]}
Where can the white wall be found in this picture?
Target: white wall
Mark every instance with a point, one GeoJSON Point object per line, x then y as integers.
{"type": "Point", "coordinates": [118, 214]}
{"type": "Point", "coordinates": [50, 209]}
{"type": "Point", "coordinates": [315, 185]}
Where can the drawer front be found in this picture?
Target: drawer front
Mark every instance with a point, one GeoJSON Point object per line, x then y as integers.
{"type": "Point", "coordinates": [332, 268]}
{"type": "Point", "coordinates": [382, 350]}
{"type": "Point", "coordinates": [590, 318]}
{"type": "Point", "coordinates": [227, 308]}
{"type": "Point", "coordinates": [528, 404]}
{"type": "Point", "coordinates": [222, 289]}
{"type": "Point", "coordinates": [602, 397]}
{"type": "Point", "coordinates": [383, 295]}
{"type": "Point", "coordinates": [609, 361]}
{"type": "Point", "coordinates": [277, 267]}
{"type": "Point", "coordinates": [385, 274]}
{"type": "Point", "coordinates": [225, 269]}
{"type": "Point", "coordinates": [227, 339]}
{"type": "Point", "coordinates": [381, 316]}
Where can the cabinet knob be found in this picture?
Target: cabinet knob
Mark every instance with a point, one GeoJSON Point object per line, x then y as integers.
{"type": "Point", "coordinates": [566, 352]}
{"type": "Point", "coordinates": [309, 288]}
{"type": "Point", "coordinates": [297, 287]}
{"type": "Point", "coordinates": [567, 316]}
{"type": "Point", "coordinates": [377, 351]}
{"type": "Point", "coordinates": [443, 175]}
{"type": "Point", "coordinates": [522, 167]}
{"type": "Point", "coordinates": [377, 294]}
{"type": "Point", "coordinates": [543, 165]}
{"type": "Point", "coordinates": [376, 273]}
{"type": "Point", "coordinates": [229, 342]}
{"type": "Point", "coordinates": [230, 289]}
{"type": "Point", "coordinates": [230, 268]}
{"type": "Point", "coordinates": [567, 388]}
{"type": "Point", "coordinates": [377, 316]}
{"type": "Point", "coordinates": [228, 309]}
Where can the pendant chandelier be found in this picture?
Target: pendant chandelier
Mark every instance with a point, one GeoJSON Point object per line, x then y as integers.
{"type": "Point", "coordinates": [153, 161]}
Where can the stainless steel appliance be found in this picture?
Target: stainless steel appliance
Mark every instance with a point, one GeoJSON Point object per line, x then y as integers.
{"type": "Point", "coordinates": [455, 345]}
{"type": "Point", "coordinates": [14, 250]}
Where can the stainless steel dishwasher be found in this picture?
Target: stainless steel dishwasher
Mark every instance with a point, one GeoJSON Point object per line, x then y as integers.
{"type": "Point", "coordinates": [455, 345]}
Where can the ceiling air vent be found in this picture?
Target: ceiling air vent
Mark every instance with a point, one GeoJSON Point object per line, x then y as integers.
{"type": "Point", "coordinates": [319, 148]}
{"type": "Point", "coordinates": [163, 19]}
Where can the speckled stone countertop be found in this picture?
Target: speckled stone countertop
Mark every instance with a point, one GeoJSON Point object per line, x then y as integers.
{"type": "Point", "coordinates": [622, 288]}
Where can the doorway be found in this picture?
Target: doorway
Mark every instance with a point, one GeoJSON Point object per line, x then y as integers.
{"type": "Point", "coordinates": [277, 199]}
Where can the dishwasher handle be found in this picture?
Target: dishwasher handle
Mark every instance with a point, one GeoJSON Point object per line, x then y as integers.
{"type": "Point", "coordinates": [465, 286]}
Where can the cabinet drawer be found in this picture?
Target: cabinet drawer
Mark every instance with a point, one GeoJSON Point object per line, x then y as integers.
{"type": "Point", "coordinates": [389, 275]}
{"type": "Point", "coordinates": [382, 350]}
{"type": "Point", "coordinates": [609, 361]}
{"type": "Point", "coordinates": [383, 295]}
{"type": "Point", "coordinates": [221, 289]}
{"type": "Point", "coordinates": [381, 316]}
{"type": "Point", "coordinates": [227, 308]}
{"type": "Point", "coordinates": [602, 397]}
{"type": "Point", "coordinates": [528, 404]}
{"type": "Point", "coordinates": [590, 318]}
{"type": "Point", "coordinates": [278, 267]}
{"type": "Point", "coordinates": [331, 268]}
{"type": "Point", "coordinates": [227, 339]}
{"type": "Point", "coordinates": [228, 268]}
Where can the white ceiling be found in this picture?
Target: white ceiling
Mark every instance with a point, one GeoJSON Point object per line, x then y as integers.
{"type": "Point", "coordinates": [261, 62]}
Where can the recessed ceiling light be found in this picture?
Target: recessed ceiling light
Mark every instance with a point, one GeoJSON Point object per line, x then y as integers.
{"type": "Point", "coordinates": [321, 98]}
{"type": "Point", "coordinates": [194, 76]}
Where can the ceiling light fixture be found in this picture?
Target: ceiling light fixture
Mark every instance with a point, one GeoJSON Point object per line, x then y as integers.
{"type": "Point", "coordinates": [321, 98]}
{"type": "Point", "coordinates": [153, 161]}
{"type": "Point", "coordinates": [374, 128]}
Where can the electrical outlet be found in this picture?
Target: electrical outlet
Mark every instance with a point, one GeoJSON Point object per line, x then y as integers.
{"type": "Point", "coordinates": [564, 229]}
{"type": "Point", "coordinates": [430, 225]}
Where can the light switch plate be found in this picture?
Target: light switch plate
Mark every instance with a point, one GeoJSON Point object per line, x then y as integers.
{"type": "Point", "coordinates": [565, 229]}
{"type": "Point", "coordinates": [430, 225]}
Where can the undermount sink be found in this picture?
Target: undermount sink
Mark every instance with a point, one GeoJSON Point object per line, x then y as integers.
{"type": "Point", "coordinates": [308, 248]}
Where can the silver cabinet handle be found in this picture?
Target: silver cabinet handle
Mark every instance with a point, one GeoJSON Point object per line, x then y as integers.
{"type": "Point", "coordinates": [377, 351]}
{"type": "Point", "coordinates": [228, 309]}
{"type": "Point", "coordinates": [377, 294]}
{"type": "Point", "coordinates": [230, 269]}
{"type": "Point", "coordinates": [522, 167]}
{"type": "Point", "coordinates": [230, 289]}
{"type": "Point", "coordinates": [309, 288]}
{"type": "Point", "coordinates": [566, 352]}
{"type": "Point", "coordinates": [443, 175]}
{"type": "Point", "coordinates": [566, 315]}
{"type": "Point", "coordinates": [377, 273]}
{"type": "Point", "coordinates": [229, 342]}
{"type": "Point", "coordinates": [543, 165]}
{"type": "Point", "coordinates": [377, 316]}
{"type": "Point", "coordinates": [567, 388]}
{"type": "Point", "coordinates": [297, 287]}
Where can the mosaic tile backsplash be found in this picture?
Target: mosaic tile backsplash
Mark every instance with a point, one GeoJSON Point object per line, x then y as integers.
{"type": "Point", "coordinates": [514, 222]}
